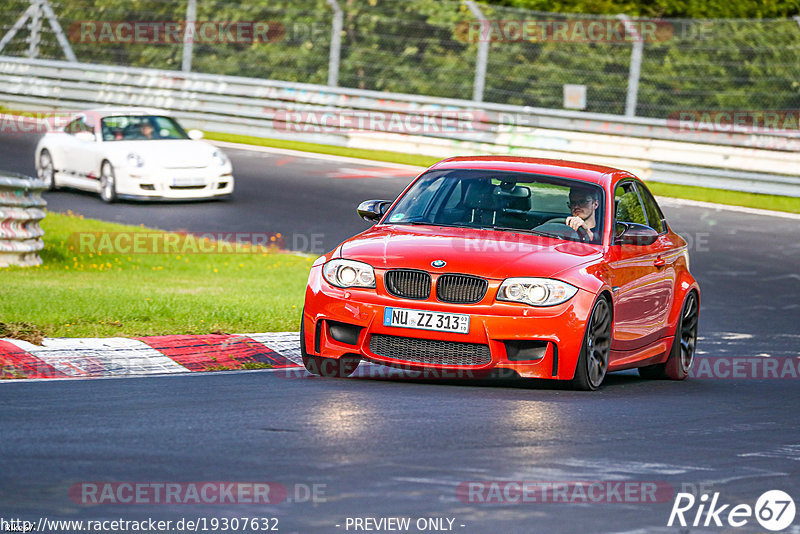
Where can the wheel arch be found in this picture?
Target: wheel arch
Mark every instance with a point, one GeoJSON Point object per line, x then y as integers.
{"type": "Point", "coordinates": [684, 284]}
{"type": "Point", "coordinates": [604, 293]}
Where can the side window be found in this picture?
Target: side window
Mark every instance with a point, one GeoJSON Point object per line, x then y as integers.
{"type": "Point", "coordinates": [627, 205]}
{"type": "Point", "coordinates": [78, 125]}
{"type": "Point", "coordinates": [166, 128]}
{"type": "Point", "coordinates": [75, 126]}
{"type": "Point", "coordinates": [651, 209]}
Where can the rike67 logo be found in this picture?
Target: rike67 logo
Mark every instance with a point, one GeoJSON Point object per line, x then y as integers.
{"type": "Point", "coordinates": [774, 510]}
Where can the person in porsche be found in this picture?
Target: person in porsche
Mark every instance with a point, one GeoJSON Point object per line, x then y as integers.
{"type": "Point", "coordinates": [543, 268]}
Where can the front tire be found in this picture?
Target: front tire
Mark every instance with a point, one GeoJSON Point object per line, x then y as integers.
{"type": "Point", "coordinates": [46, 170]}
{"type": "Point", "coordinates": [681, 356]}
{"type": "Point", "coordinates": [108, 183]}
{"type": "Point", "coordinates": [327, 367]}
{"type": "Point", "coordinates": [593, 360]}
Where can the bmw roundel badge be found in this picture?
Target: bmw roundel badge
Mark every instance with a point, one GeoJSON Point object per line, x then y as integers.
{"type": "Point", "coordinates": [438, 263]}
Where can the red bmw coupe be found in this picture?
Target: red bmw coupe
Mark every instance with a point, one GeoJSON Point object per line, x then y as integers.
{"type": "Point", "coordinates": [543, 268]}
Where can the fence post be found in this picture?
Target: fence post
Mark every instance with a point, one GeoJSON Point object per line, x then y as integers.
{"type": "Point", "coordinates": [636, 65]}
{"type": "Point", "coordinates": [336, 43]}
{"type": "Point", "coordinates": [483, 52]}
{"type": "Point", "coordinates": [56, 27]}
{"type": "Point", "coordinates": [36, 29]}
{"type": "Point", "coordinates": [188, 35]}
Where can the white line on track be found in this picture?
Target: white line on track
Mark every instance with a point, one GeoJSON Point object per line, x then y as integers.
{"type": "Point", "coordinates": [669, 201]}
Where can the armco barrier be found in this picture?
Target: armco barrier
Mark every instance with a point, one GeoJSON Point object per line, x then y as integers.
{"type": "Point", "coordinates": [21, 209]}
{"type": "Point", "coordinates": [649, 147]}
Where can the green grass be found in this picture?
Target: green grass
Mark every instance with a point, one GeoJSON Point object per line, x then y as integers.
{"type": "Point", "coordinates": [74, 294]}
{"type": "Point", "coordinates": [362, 153]}
{"type": "Point", "coordinates": [720, 196]}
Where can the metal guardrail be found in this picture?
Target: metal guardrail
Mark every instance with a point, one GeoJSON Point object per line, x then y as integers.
{"type": "Point", "coordinates": [21, 209]}
{"type": "Point", "coordinates": [650, 147]}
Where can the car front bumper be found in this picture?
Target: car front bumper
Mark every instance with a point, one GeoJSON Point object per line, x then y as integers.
{"type": "Point", "coordinates": [174, 184]}
{"type": "Point", "coordinates": [555, 334]}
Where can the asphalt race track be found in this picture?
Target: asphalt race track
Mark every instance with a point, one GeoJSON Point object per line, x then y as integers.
{"type": "Point", "coordinates": [311, 202]}
{"type": "Point", "coordinates": [379, 447]}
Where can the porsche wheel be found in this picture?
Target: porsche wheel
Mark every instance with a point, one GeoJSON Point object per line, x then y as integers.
{"type": "Point", "coordinates": [108, 184]}
{"type": "Point", "coordinates": [328, 367]}
{"type": "Point", "coordinates": [593, 360]}
{"type": "Point", "coordinates": [46, 170]}
{"type": "Point", "coordinates": [681, 356]}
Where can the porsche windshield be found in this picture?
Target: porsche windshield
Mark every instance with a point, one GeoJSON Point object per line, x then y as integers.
{"type": "Point", "coordinates": [505, 201]}
{"type": "Point", "coordinates": [141, 127]}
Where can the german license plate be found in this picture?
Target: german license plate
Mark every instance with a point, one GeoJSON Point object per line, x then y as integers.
{"type": "Point", "coordinates": [187, 182]}
{"type": "Point", "coordinates": [426, 320]}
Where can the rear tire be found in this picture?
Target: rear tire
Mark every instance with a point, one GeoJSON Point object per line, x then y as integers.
{"type": "Point", "coordinates": [593, 360]}
{"type": "Point", "coordinates": [328, 367]}
{"type": "Point", "coordinates": [681, 356]}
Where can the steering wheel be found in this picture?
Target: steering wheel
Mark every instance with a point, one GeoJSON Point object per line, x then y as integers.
{"type": "Point", "coordinates": [580, 233]}
{"type": "Point", "coordinates": [560, 228]}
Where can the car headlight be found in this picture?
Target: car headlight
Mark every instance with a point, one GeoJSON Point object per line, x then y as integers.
{"type": "Point", "coordinates": [536, 291]}
{"type": "Point", "coordinates": [219, 157]}
{"type": "Point", "coordinates": [349, 273]}
{"type": "Point", "coordinates": [135, 160]}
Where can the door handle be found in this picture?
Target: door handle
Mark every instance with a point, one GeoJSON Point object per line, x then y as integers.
{"type": "Point", "coordinates": [659, 262]}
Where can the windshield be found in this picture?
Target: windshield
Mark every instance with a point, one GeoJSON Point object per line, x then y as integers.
{"type": "Point", "coordinates": [141, 127]}
{"type": "Point", "coordinates": [505, 201]}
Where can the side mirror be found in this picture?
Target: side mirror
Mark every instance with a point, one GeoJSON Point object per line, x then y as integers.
{"type": "Point", "coordinates": [634, 234]}
{"type": "Point", "coordinates": [85, 136]}
{"type": "Point", "coordinates": [373, 210]}
{"type": "Point", "coordinates": [195, 134]}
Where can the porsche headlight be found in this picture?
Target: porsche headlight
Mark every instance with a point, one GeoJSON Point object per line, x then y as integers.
{"type": "Point", "coordinates": [219, 157]}
{"type": "Point", "coordinates": [536, 291]}
{"type": "Point", "coordinates": [135, 160]}
{"type": "Point", "coordinates": [349, 273]}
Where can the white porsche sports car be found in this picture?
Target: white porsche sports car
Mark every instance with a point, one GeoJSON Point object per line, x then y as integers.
{"type": "Point", "coordinates": [141, 154]}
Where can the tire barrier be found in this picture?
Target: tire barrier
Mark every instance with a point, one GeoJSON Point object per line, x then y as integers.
{"type": "Point", "coordinates": [21, 209]}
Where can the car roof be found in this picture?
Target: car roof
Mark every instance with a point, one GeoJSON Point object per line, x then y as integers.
{"type": "Point", "coordinates": [587, 172]}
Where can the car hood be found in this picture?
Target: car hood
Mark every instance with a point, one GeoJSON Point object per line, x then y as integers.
{"type": "Point", "coordinates": [486, 253]}
{"type": "Point", "coordinates": [166, 153]}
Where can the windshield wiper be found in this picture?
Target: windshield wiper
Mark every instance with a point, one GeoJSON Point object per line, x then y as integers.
{"type": "Point", "coordinates": [448, 225]}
